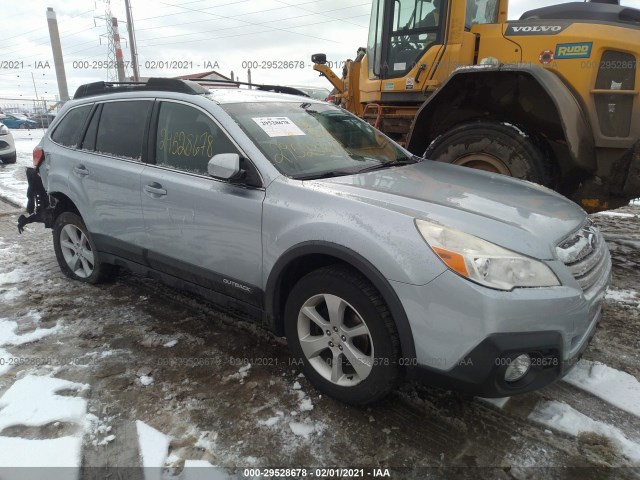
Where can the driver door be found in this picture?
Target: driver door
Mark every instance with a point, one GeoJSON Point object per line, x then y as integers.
{"type": "Point", "coordinates": [202, 230]}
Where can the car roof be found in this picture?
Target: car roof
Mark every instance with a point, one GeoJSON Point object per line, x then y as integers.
{"type": "Point", "coordinates": [236, 95]}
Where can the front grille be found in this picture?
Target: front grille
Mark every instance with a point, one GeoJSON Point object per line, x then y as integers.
{"type": "Point", "coordinates": [586, 255]}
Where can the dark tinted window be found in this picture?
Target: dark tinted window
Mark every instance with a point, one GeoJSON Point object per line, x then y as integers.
{"type": "Point", "coordinates": [187, 139]}
{"type": "Point", "coordinates": [89, 142]}
{"type": "Point", "coordinates": [70, 129]}
{"type": "Point", "coordinates": [121, 130]}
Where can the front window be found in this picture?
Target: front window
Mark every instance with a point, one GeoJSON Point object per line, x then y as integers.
{"type": "Point", "coordinates": [312, 140]}
{"type": "Point", "coordinates": [414, 28]}
{"type": "Point", "coordinates": [481, 12]}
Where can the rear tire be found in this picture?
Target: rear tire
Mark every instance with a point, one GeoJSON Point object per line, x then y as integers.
{"type": "Point", "coordinates": [76, 253]}
{"type": "Point", "coordinates": [339, 327]}
{"type": "Point", "coordinates": [493, 147]}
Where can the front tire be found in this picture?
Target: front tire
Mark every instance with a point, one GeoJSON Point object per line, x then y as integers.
{"type": "Point", "coordinates": [493, 147]}
{"type": "Point", "coordinates": [338, 325]}
{"type": "Point", "coordinates": [76, 253]}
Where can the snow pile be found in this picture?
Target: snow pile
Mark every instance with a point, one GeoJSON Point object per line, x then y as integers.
{"type": "Point", "coordinates": [171, 343]}
{"type": "Point", "coordinates": [32, 402]}
{"type": "Point", "coordinates": [146, 380]}
{"type": "Point", "coordinates": [613, 386]}
{"type": "Point", "coordinates": [562, 417]}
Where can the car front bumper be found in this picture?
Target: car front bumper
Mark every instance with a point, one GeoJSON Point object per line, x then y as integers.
{"type": "Point", "coordinates": [466, 335]}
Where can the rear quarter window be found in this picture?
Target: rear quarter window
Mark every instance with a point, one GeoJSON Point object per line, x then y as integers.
{"type": "Point", "coordinates": [69, 131]}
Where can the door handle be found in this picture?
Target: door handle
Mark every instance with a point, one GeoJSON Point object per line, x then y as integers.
{"type": "Point", "coordinates": [81, 171]}
{"type": "Point", "coordinates": [155, 190]}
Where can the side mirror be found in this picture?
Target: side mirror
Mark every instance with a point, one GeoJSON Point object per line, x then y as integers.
{"type": "Point", "coordinates": [225, 166]}
{"type": "Point", "coordinates": [319, 58]}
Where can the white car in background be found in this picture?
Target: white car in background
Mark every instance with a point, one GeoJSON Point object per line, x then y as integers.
{"type": "Point", "coordinates": [7, 145]}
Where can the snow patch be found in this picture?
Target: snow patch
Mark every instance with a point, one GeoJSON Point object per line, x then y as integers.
{"type": "Point", "coordinates": [9, 337]}
{"type": "Point", "coordinates": [498, 402]}
{"type": "Point", "coordinates": [171, 343]}
{"type": "Point", "coordinates": [302, 429]}
{"type": "Point", "coordinates": [50, 453]}
{"type": "Point", "coordinates": [305, 405]}
{"type": "Point", "coordinates": [613, 386]}
{"type": "Point", "coordinates": [146, 380]}
{"type": "Point", "coordinates": [202, 470]}
{"type": "Point", "coordinates": [5, 358]}
{"type": "Point", "coordinates": [623, 296]}
{"type": "Point", "coordinates": [99, 431]}
{"type": "Point", "coordinates": [32, 401]}
{"type": "Point", "coordinates": [243, 373]}
{"type": "Point", "coordinates": [562, 417]}
{"type": "Point", "coordinates": [14, 276]}
{"type": "Point", "coordinates": [617, 214]}
{"type": "Point", "coordinates": [154, 447]}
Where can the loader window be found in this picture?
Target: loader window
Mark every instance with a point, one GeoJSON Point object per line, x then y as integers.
{"type": "Point", "coordinates": [374, 43]}
{"type": "Point", "coordinates": [415, 26]}
{"type": "Point", "coordinates": [481, 12]}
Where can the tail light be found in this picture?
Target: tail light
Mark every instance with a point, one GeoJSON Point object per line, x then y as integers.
{"type": "Point", "coordinates": [38, 156]}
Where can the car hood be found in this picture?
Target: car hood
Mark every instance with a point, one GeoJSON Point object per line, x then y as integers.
{"type": "Point", "coordinates": [515, 214]}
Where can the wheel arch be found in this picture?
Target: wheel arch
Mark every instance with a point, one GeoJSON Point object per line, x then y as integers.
{"type": "Point", "coordinates": [534, 99]}
{"type": "Point", "coordinates": [306, 257]}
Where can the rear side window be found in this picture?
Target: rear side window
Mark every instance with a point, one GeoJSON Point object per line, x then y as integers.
{"type": "Point", "coordinates": [69, 130]}
{"type": "Point", "coordinates": [122, 127]}
{"type": "Point", "coordinates": [187, 139]}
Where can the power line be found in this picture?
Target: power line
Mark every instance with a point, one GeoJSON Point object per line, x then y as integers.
{"type": "Point", "coordinates": [251, 23]}
{"type": "Point", "coordinates": [186, 3]}
{"type": "Point", "coordinates": [246, 33]}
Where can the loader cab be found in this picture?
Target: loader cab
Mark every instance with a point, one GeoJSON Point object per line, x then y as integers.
{"type": "Point", "coordinates": [401, 32]}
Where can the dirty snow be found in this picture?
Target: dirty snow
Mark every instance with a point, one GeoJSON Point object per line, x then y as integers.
{"type": "Point", "coordinates": [146, 380]}
{"type": "Point", "coordinates": [623, 296]}
{"type": "Point", "coordinates": [617, 214]}
{"type": "Point", "coordinates": [171, 343]}
{"type": "Point", "coordinates": [565, 418]}
{"type": "Point", "coordinates": [613, 386]}
{"type": "Point", "coordinates": [14, 276]}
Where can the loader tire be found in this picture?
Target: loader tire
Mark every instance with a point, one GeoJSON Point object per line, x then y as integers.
{"type": "Point", "coordinates": [493, 147]}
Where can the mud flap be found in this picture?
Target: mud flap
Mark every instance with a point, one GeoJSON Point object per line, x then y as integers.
{"type": "Point", "coordinates": [37, 201]}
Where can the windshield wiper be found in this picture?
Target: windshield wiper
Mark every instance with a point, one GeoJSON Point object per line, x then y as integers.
{"type": "Point", "coordinates": [396, 163]}
{"type": "Point", "coordinates": [317, 176]}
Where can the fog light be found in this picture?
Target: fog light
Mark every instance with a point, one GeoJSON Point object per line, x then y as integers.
{"type": "Point", "coordinates": [518, 368]}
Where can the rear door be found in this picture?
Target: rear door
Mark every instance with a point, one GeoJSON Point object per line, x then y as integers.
{"type": "Point", "coordinates": [106, 173]}
{"type": "Point", "coordinates": [201, 229]}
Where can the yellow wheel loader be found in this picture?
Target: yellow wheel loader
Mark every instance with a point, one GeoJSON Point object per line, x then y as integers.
{"type": "Point", "coordinates": [551, 98]}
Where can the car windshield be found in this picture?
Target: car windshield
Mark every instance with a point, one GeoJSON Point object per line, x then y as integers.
{"type": "Point", "coordinates": [306, 140]}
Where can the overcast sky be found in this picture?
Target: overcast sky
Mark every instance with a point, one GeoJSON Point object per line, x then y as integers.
{"type": "Point", "coordinates": [202, 34]}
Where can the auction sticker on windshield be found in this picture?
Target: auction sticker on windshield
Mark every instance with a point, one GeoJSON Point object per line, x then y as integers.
{"type": "Point", "coordinates": [278, 126]}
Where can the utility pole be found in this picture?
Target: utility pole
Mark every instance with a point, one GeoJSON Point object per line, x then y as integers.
{"type": "Point", "coordinates": [132, 42]}
{"type": "Point", "coordinates": [58, 62]}
{"type": "Point", "coordinates": [118, 49]}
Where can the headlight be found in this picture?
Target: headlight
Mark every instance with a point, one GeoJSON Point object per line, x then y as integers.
{"type": "Point", "coordinates": [4, 130]}
{"type": "Point", "coordinates": [484, 262]}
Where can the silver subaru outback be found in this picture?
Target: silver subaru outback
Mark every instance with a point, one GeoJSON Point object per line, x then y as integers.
{"type": "Point", "coordinates": [376, 265]}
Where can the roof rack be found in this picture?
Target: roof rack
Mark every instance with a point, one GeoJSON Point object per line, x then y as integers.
{"type": "Point", "coordinates": [265, 88]}
{"type": "Point", "coordinates": [153, 84]}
